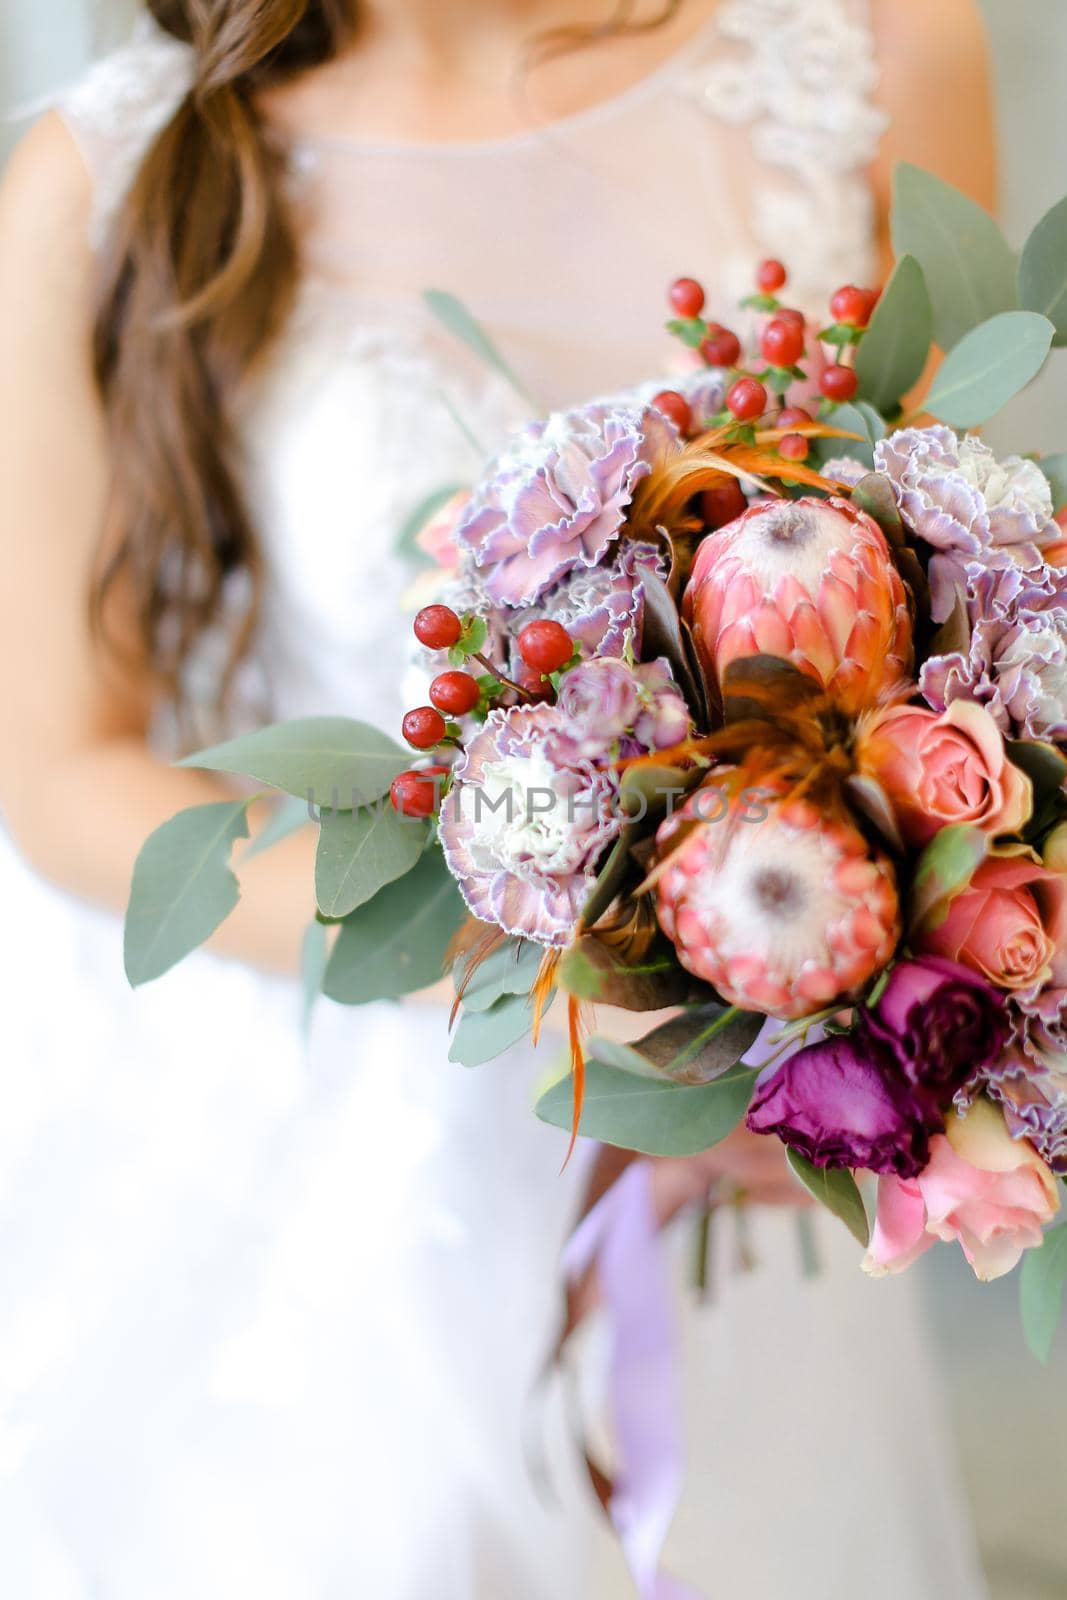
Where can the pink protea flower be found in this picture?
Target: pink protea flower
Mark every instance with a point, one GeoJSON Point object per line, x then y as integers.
{"type": "Point", "coordinates": [808, 580]}
{"type": "Point", "coordinates": [779, 908]}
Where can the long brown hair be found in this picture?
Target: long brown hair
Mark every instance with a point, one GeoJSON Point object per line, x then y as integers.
{"type": "Point", "coordinates": [197, 278]}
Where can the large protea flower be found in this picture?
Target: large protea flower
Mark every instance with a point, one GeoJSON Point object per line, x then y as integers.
{"type": "Point", "coordinates": [779, 908]}
{"type": "Point", "coordinates": [808, 580]}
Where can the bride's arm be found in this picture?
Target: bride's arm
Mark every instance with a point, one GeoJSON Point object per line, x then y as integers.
{"type": "Point", "coordinates": [934, 82]}
{"type": "Point", "coordinates": [79, 789]}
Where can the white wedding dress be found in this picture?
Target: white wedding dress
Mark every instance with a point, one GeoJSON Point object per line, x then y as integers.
{"type": "Point", "coordinates": [270, 1313]}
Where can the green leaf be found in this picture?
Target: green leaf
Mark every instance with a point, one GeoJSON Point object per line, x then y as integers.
{"type": "Point", "coordinates": [361, 851]}
{"type": "Point", "coordinates": [945, 866]}
{"type": "Point", "coordinates": [693, 1048]}
{"type": "Point", "coordinates": [874, 494]}
{"type": "Point", "coordinates": [480, 1036]}
{"type": "Point", "coordinates": [288, 815]}
{"type": "Point", "coordinates": [837, 1190]}
{"type": "Point", "coordinates": [314, 954]}
{"type": "Point", "coordinates": [333, 760]}
{"type": "Point", "coordinates": [413, 525]}
{"type": "Point", "coordinates": [396, 943]}
{"type": "Point", "coordinates": [1055, 470]}
{"type": "Point", "coordinates": [1041, 1286]}
{"type": "Point", "coordinates": [183, 887]}
{"type": "Point", "coordinates": [967, 263]}
{"type": "Point", "coordinates": [510, 969]}
{"type": "Point", "coordinates": [652, 1115]}
{"type": "Point", "coordinates": [589, 970]}
{"type": "Point", "coordinates": [988, 367]}
{"type": "Point", "coordinates": [453, 315]}
{"type": "Point", "coordinates": [855, 417]}
{"type": "Point", "coordinates": [1043, 270]}
{"type": "Point", "coordinates": [893, 352]}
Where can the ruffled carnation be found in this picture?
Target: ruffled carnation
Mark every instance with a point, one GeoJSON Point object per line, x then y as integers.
{"type": "Point", "coordinates": [602, 608]}
{"type": "Point", "coordinates": [521, 831]}
{"type": "Point", "coordinates": [1016, 661]}
{"type": "Point", "coordinates": [962, 501]}
{"type": "Point", "coordinates": [557, 498]}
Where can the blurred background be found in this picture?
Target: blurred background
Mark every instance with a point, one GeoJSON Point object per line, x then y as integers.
{"type": "Point", "coordinates": [1010, 1415]}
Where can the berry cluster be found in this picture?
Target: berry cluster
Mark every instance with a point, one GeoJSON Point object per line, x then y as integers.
{"type": "Point", "coordinates": [544, 647]}
{"type": "Point", "coordinates": [784, 342]}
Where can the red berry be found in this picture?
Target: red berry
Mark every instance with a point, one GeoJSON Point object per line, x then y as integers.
{"type": "Point", "coordinates": [687, 297]}
{"type": "Point", "coordinates": [746, 399]}
{"type": "Point", "coordinates": [675, 406]}
{"type": "Point", "coordinates": [793, 447]}
{"type": "Point", "coordinates": [545, 646]}
{"type": "Point", "coordinates": [455, 693]}
{"type": "Point", "coordinates": [770, 275]}
{"type": "Point", "coordinates": [791, 314]}
{"type": "Point", "coordinates": [838, 383]}
{"type": "Point", "coordinates": [722, 347]}
{"type": "Point", "coordinates": [790, 416]}
{"type": "Point", "coordinates": [437, 627]}
{"type": "Point", "coordinates": [853, 306]}
{"type": "Point", "coordinates": [722, 504]}
{"type": "Point", "coordinates": [416, 794]}
{"type": "Point", "coordinates": [782, 343]}
{"type": "Point", "coordinates": [424, 727]}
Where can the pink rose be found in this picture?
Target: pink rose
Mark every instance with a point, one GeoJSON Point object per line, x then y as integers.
{"type": "Point", "coordinates": [1009, 924]}
{"type": "Point", "coordinates": [951, 767]}
{"type": "Point", "coordinates": [991, 1192]}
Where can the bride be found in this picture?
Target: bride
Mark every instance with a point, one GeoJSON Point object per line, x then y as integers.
{"type": "Point", "coordinates": [272, 1310]}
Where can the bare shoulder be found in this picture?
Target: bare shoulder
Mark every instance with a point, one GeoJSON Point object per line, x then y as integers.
{"type": "Point", "coordinates": [45, 202]}
{"type": "Point", "coordinates": [918, 43]}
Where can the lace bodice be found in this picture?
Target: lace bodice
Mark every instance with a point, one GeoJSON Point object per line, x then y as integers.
{"type": "Point", "coordinates": [753, 140]}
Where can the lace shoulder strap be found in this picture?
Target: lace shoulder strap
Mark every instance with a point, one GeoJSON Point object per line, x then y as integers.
{"type": "Point", "coordinates": [116, 109]}
{"type": "Point", "coordinates": [800, 76]}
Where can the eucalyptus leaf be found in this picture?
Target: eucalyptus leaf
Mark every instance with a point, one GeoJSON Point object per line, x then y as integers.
{"type": "Point", "coordinates": [1041, 1288]}
{"type": "Point", "coordinates": [856, 416]}
{"type": "Point", "coordinates": [837, 1190]}
{"type": "Point", "coordinates": [874, 494]}
{"type": "Point", "coordinates": [510, 969]}
{"type": "Point", "coordinates": [333, 761]}
{"type": "Point", "coordinates": [481, 1036]}
{"type": "Point", "coordinates": [968, 265]}
{"type": "Point", "coordinates": [182, 887]}
{"type": "Point", "coordinates": [454, 315]}
{"type": "Point", "coordinates": [611, 877]}
{"type": "Point", "coordinates": [651, 1115]}
{"type": "Point", "coordinates": [396, 943]}
{"type": "Point", "coordinates": [988, 367]}
{"type": "Point", "coordinates": [1043, 270]}
{"type": "Point", "coordinates": [589, 970]}
{"type": "Point", "coordinates": [892, 353]}
{"type": "Point", "coordinates": [413, 525]}
{"type": "Point", "coordinates": [945, 867]}
{"type": "Point", "coordinates": [662, 634]}
{"type": "Point", "coordinates": [361, 851]}
{"type": "Point", "coordinates": [1055, 470]}
{"type": "Point", "coordinates": [693, 1048]}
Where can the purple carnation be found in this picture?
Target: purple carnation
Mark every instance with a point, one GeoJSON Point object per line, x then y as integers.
{"type": "Point", "coordinates": [602, 608]}
{"type": "Point", "coordinates": [843, 1103]}
{"type": "Point", "coordinates": [1016, 662]}
{"type": "Point", "coordinates": [941, 1023]}
{"type": "Point", "coordinates": [612, 710]}
{"type": "Point", "coordinates": [521, 831]}
{"type": "Point", "coordinates": [1034, 1099]}
{"type": "Point", "coordinates": [557, 498]}
{"type": "Point", "coordinates": [963, 502]}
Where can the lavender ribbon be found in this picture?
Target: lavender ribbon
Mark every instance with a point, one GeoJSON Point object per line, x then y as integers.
{"type": "Point", "coordinates": [620, 1234]}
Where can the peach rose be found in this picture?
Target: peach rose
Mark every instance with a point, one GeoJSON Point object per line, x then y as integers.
{"type": "Point", "coordinates": [951, 767]}
{"type": "Point", "coordinates": [1009, 924]}
{"type": "Point", "coordinates": [991, 1192]}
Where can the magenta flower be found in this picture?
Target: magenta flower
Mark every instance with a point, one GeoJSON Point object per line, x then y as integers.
{"type": "Point", "coordinates": [557, 498]}
{"type": "Point", "coordinates": [843, 1103]}
{"type": "Point", "coordinates": [940, 1022]}
{"type": "Point", "coordinates": [522, 831]}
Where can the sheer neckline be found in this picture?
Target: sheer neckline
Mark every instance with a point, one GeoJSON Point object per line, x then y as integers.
{"type": "Point", "coordinates": [644, 88]}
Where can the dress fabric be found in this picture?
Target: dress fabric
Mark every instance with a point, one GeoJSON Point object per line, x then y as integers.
{"type": "Point", "coordinates": [271, 1310]}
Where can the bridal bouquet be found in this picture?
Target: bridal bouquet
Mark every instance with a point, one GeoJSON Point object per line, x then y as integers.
{"type": "Point", "coordinates": [747, 700]}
